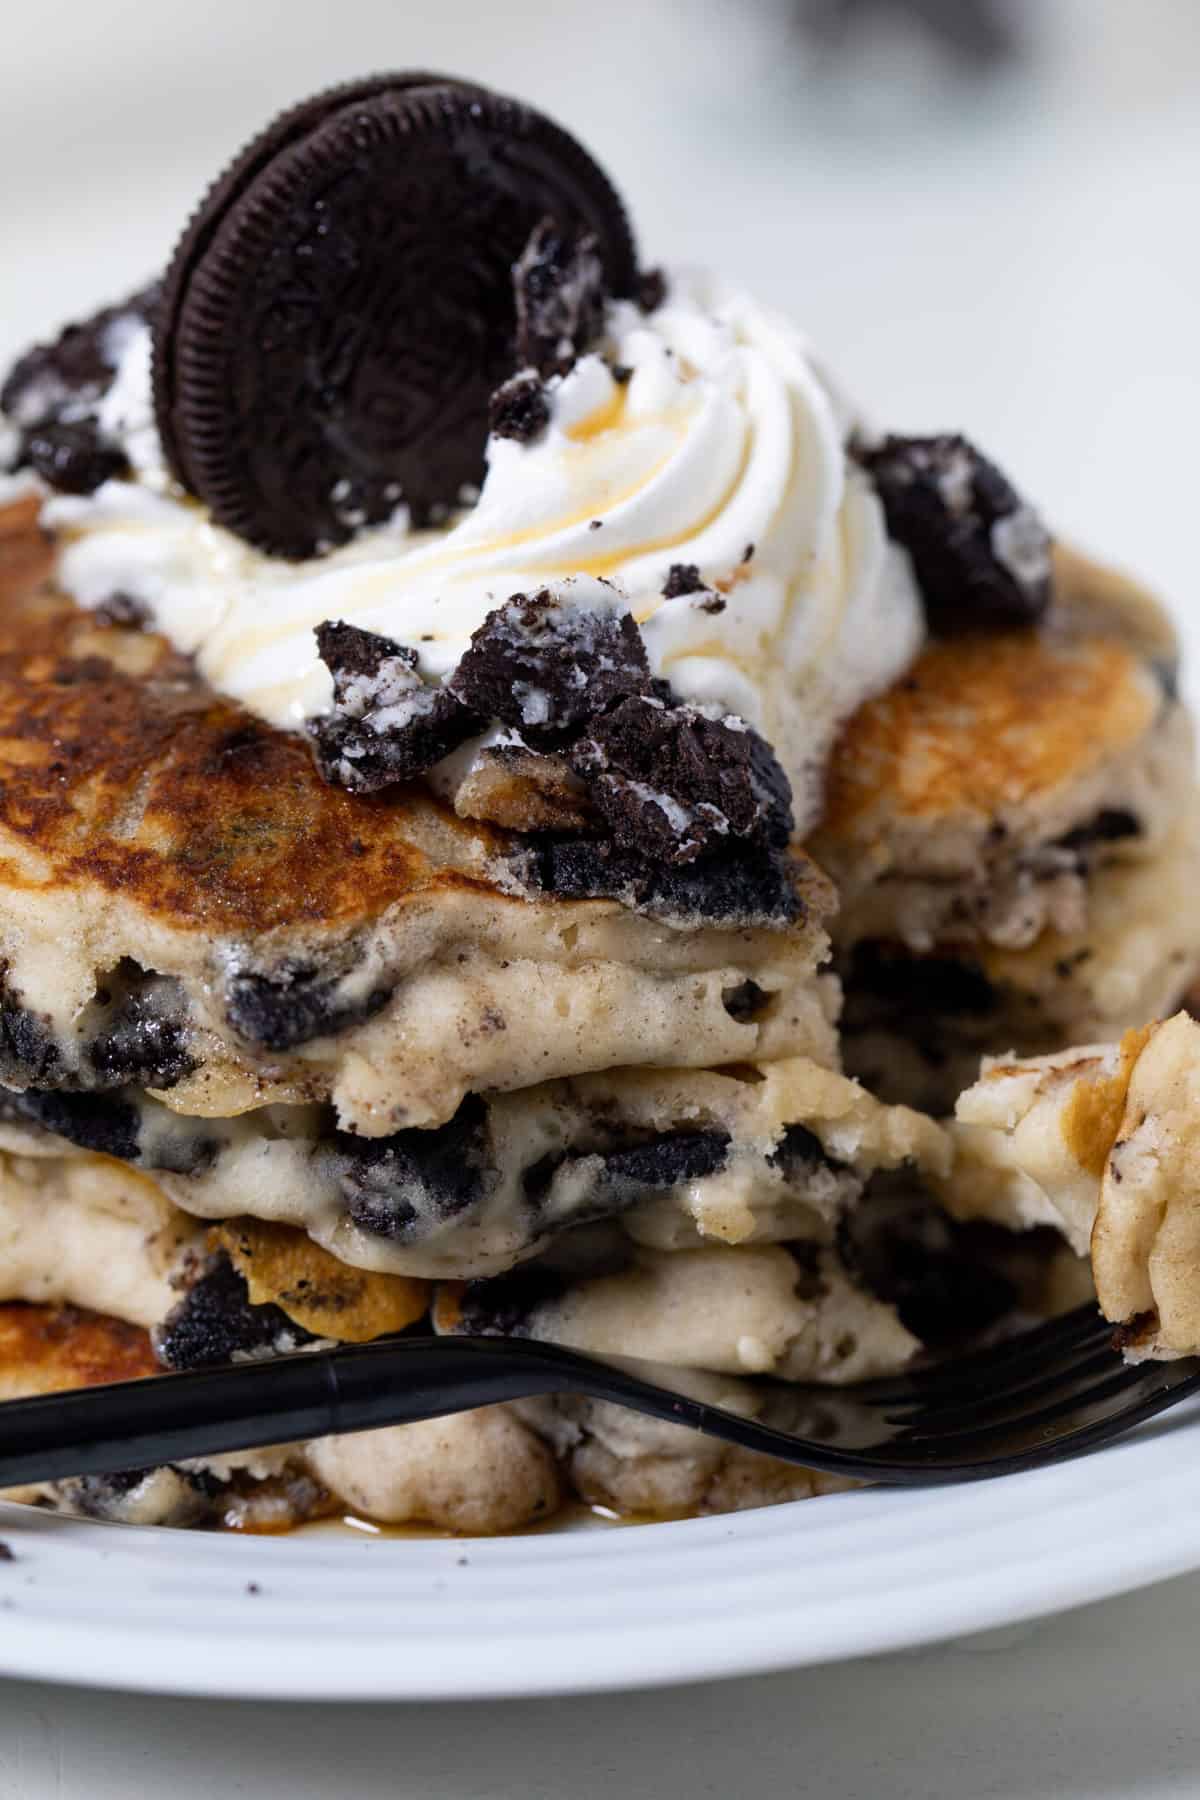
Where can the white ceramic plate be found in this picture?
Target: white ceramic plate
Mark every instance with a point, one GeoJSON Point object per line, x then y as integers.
{"type": "Point", "coordinates": [335, 1618]}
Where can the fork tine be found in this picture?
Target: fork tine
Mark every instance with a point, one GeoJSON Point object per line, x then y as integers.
{"type": "Point", "coordinates": [942, 1412]}
{"type": "Point", "coordinates": [1104, 1411]}
{"type": "Point", "coordinates": [1077, 1388]}
{"type": "Point", "coordinates": [1066, 1336]}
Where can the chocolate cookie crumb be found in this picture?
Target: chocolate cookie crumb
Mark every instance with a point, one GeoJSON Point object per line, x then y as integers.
{"type": "Point", "coordinates": [558, 283]}
{"type": "Point", "coordinates": [75, 457]}
{"type": "Point", "coordinates": [298, 1000]}
{"type": "Point", "coordinates": [393, 1186]}
{"type": "Point", "coordinates": [520, 409]}
{"type": "Point", "coordinates": [216, 1321]}
{"type": "Point", "coordinates": [121, 608]}
{"type": "Point", "coordinates": [71, 375]}
{"type": "Point", "coordinates": [670, 781]}
{"type": "Point", "coordinates": [734, 887]}
{"type": "Point", "coordinates": [387, 725]}
{"type": "Point", "coordinates": [7, 1553]}
{"type": "Point", "coordinates": [52, 394]}
{"type": "Point", "coordinates": [651, 290]}
{"type": "Point", "coordinates": [545, 666]}
{"type": "Point", "coordinates": [252, 1587]}
{"type": "Point", "coordinates": [682, 578]}
{"type": "Point", "coordinates": [621, 373]}
{"type": "Point", "coordinates": [505, 1305]}
{"type": "Point", "coordinates": [981, 555]}
{"type": "Point", "coordinates": [745, 1002]}
{"type": "Point", "coordinates": [748, 553]}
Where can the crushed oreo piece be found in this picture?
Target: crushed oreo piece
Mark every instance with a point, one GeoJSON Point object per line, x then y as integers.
{"type": "Point", "coordinates": [296, 1002]}
{"type": "Point", "coordinates": [394, 1186]}
{"type": "Point", "coordinates": [387, 725]}
{"type": "Point", "coordinates": [505, 1306]}
{"type": "Point", "coordinates": [116, 1125]}
{"type": "Point", "coordinates": [125, 609]}
{"type": "Point", "coordinates": [651, 289]}
{"type": "Point", "coordinates": [7, 1553]}
{"type": "Point", "coordinates": [981, 555]}
{"type": "Point", "coordinates": [520, 408]}
{"type": "Point", "coordinates": [28, 1052]}
{"type": "Point", "coordinates": [672, 782]}
{"type": "Point", "coordinates": [135, 1028]}
{"type": "Point", "coordinates": [666, 1161]}
{"type": "Point", "coordinates": [75, 457]}
{"type": "Point", "coordinates": [99, 1122]}
{"type": "Point", "coordinates": [799, 1149]}
{"type": "Point", "coordinates": [933, 1270]}
{"type": "Point", "coordinates": [142, 1035]}
{"type": "Point", "coordinates": [352, 655]}
{"type": "Point", "coordinates": [576, 1188]}
{"type": "Point", "coordinates": [66, 380]}
{"type": "Point", "coordinates": [545, 667]}
{"type": "Point", "coordinates": [734, 887]}
{"type": "Point", "coordinates": [682, 578]}
{"type": "Point", "coordinates": [559, 289]}
{"type": "Point", "coordinates": [745, 1002]}
{"type": "Point", "coordinates": [215, 1321]}
{"type": "Point", "coordinates": [52, 394]}
{"type": "Point", "coordinates": [1111, 825]}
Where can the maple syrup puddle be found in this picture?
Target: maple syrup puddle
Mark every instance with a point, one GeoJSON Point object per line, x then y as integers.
{"type": "Point", "coordinates": [571, 1517]}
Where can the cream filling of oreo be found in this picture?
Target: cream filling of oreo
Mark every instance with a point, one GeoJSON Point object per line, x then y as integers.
{"type": "Point", "coordinates": [717, 444]}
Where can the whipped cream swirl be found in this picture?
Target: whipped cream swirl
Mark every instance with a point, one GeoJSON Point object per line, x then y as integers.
{"type": "Point", "coordinates": [703, 434]}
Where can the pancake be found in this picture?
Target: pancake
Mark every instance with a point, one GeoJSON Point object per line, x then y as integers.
{"type": "Point", "coordinates": [479, 1472]}
{"type": "Point", "coordinates": [1102, 1143]}
{"type": "Point", "coordinates": [646, 1468]}
{"type": "Point", "coordinates": [1010, 828]}
{"type": "Point", "coordinates": [756, 1310]}
{"type": "Point", "coordinates": [757, 1154]}
{"type": "Point", "coordinates": [248, 1289]}
{"type": "Point", "coordinates": [916, 1026]}
{"type": "Point", "coordinates": [186, 904]}
{"type": "Point", "coordinates": [53, 1349]}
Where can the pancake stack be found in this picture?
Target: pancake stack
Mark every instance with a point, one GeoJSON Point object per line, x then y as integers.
{"type": "Point", "coordinates": [1013, 833]}
{"type": "Point", "coordinates": [329, 1026]}
{"type": "Point", "coordinates": [507, 1003]}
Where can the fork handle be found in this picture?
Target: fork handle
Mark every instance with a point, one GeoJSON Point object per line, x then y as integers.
{"type": "Point", "coordinates": [246, 1406]}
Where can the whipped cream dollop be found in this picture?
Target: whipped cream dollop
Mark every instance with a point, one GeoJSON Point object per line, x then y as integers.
{"type": "Point", "coordinates": [702, 433]}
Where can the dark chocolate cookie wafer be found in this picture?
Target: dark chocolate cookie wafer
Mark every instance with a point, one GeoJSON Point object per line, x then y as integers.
{"type": "Point", "coordinates": [286, 128]}
{"type": "Point", "coordinates": [334, 332]}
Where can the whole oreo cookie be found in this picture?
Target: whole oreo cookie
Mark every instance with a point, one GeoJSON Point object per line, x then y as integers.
{"type": "Point", "coordinates": [341, 308]}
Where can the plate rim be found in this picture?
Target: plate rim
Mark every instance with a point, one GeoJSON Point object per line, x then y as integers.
{"type": "Point", "coordinates": [1063, 1551]}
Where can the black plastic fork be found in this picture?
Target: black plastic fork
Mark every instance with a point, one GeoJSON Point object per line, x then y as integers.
{"type": "Point", "coordinates": [1037, 1398]}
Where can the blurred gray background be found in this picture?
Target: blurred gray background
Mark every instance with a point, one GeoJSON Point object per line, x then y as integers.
{"type": "Point", "coordinates": [1009, 247]}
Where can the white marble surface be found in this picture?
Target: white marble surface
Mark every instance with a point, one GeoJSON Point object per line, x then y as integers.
{"type": "Point", "coordinates": [1024, 263]}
